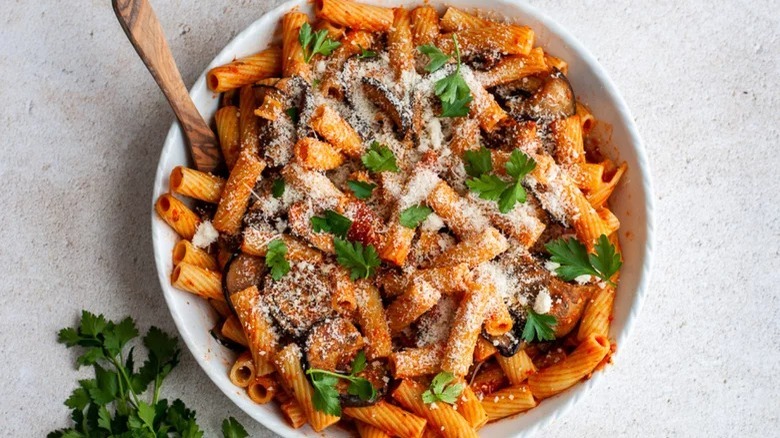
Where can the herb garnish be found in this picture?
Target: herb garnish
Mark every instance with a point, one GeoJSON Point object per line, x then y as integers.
{"type": "Point", "coordinates": [326, 397]}
{"type": "Point", "coordinates": [442, 389]}
{"type": "Point", "coordinates": [362, 190]}
{"type": "Point", "coordinates": [574, 260]}
{"type": "Point", "coordinates": [379, 158]}
{"type": "Point", "coordinates": [361, 261]}
{"type": "Point", "coordinates": [331, 222]}
{"type": "Point", "coordinates": [538, 326]}
{"type": "Point", "coordinates": [493, 188]}
{"type": "Point", "coordinates": [276, 260]}
{"type": "Point", "coordinates": [314, 43]}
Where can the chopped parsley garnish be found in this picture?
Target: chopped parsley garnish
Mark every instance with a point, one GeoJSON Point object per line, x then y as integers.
{"type": "Point", "coordinates": [113, 402]}
{"type": "Point", "coordinates": [493, 188]}
{"type": "Point", "coordinates": [293, 113]}
{"type": "Point", "coordinates": [314, 43]}
{"type": "Point", "coordinates": [413, 216]}
{"type": "Point", "coordinates": [452, 90]}
{"type": "Point", "coordinates": [365, 53]}
{"type": "Point", "coordinates": [442, 389]}
{"type": "Point", "coordinates": [379, 158]}
{"type": "Point", "coordinates": [361, 261]}
{"type": "Point", "coordinates": [436, 58]}
{"type": "Point", "coordinates": [478, 162]}
{"type": "Point", "coordinates": [276, 260]}
{"type": "Point", "coordinates": [331, 222]}
{"type": "Point", "coordinates": [538, 326]}
{"type": "Point", "coordinates": [326, 397]}
{"type": "Point", "coordinates": [362, 190]}
{"type": "Point", "coordinates": [277, 188]}
{"type": "Point", "coordinates": [574, 260]}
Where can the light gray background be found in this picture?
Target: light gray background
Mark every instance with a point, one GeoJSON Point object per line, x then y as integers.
{"type": "Point", "coordinates": [83, 123]}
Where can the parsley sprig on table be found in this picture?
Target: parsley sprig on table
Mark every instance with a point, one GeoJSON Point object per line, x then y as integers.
{"type": "Point", "coordinates": [314, 43]}
{"type": "Point", "coordinates": [538, 326]}
{"type": "Point", "coordinates": [442, 389]}
{"type": "Point", "coordinates": [492, 187]}
{"type": "Point", "coordinates": [326, 397]}
{"type": "Point", "coordinates": [276, 258]}
{"type": "Point", "coordinates": [379, 158]}
{"type": "Point", "coordinates": [452, 90]}
{"type": "Point", "coordinates": [113, 403]}
{"type": "Point", "coordinates": [574, 260]}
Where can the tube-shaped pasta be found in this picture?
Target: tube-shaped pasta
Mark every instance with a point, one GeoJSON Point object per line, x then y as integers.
{"type": "Point", "coordinates": [600, 195]}
{"type": "Point", "coordinates": [498, 38]}
{"type": "Point", "coordinates": [460, 214]}
{"type": "Point", "coordinates": [471, 409]}
{"type": "Point", "coordinates": [288, 365]}
{"type": "Point", "coordinates": [256, 243]}
{"type": "Point", "coordinates": [465, 330]}
{"type": "Point", "coordinates": [512, 68]}
{"type": "Point", "coordinates": [567, 136]}
{"type": "Point", "coordinates": [396, 243]}
{"type": "Point", "coordinates": [293, 62]}
{"type": "Point", "coordinates": [185, 252]}
{"type": "Point", "coordinates": [399, 43]}
{"type": "Point", "coordinates": [293, 413]}
{"type": "Point", "coordinates": [483, 350]}
{"type": "Point", "coordinates": [442, 417]}
{"type": "Point", "coordinates": [455, 19]}
{"type": "Point", "coordinates": [262, 389]}
{"type": "Point", "coordinates": [343, 296]}
{"type": "Point", "coordinates": [416, 362]}
{"type": "Point", "coordinates": [235, 196]}
{"type": "Point", "coordinates": [598, 311]}
{"type": "Point", "coordinates": [609, 218]}
{"type": "Point", "coordinates": [484, 107]}
{"type": "Point", "coordinates": [508, 401]}
{"type": "Point", "coordinates": [352, 44]}
{"type": "Point", "coordinates": [389, 418]}
{"type": "Point", "coordinates": [247, 121]}
{"type": "Point", "coordinates": [258, 327]}
{"type": "Point", "coordinates": [317, 155]}
{"type": "Point", "coordinates": [517, 367]}
{"type": "Point", "coordinates": [272, 106]}
{"type": "Point", "coordinates": [586, 118]}
{"type": "Point", "coordinates": [242, 373]}
{"type": "Point", "coordinates": [366, 430]}
{"type": "Point", "coordinates": [199, 281]}
{"type": "Point", "coordinates": [196, 184]}
{"type": "Point", "coordinates": [587, 176]}
{"type": "Point", "coordinates": [371, 317]}
{"type": "Point", "coordinates": [232, 330]}
{"type": "Point", "coordinates": [555, 62]}
{"type": "Point", "coordinates": [465, 135]}
{"type": "Point", "coordinates": [299, 216]}
{"type": "Point", "coordinates": [221, 308]}
{"type": "Point", "coordinates": [425, 25]}
{"type": "Point", "coordinates": [475, 249]}
{"type": "Point", "coordinates": [328, 123]}
{"type": "Point", "coordinates": [183, 220]}
{"type": "Point", "coordinates": [335, 31]}
{"type": "Point", "coordinates": [521, 223]}
{"type": "Point", "coordinates": [418, 299]}
{"type": "Point", "coordinates": [489, 379]}
{"type": "Point", "coordinates": [498, 320]}
{"type": "Point", "coordinates": [564, 374]}
{"type": "Point", "coordinates": [226, 119]}
{"type": "Point", "coordinates": [245, 71]}
{"type": "Point", "coordinates": [447, 280]}
{"type": "Point", "coordinates": [355, 15]}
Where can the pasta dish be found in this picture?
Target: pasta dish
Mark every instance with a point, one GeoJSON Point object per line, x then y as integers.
{"type": "Point", "coordinates": [410, 234]}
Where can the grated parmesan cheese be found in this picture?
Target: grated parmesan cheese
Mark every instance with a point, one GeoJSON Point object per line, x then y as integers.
{"type": "Point", "coordinates": [205, 235]}
{"type": "Point", "coordinates": [543, 302]}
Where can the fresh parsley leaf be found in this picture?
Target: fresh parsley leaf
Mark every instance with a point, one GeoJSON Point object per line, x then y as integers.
{"type": "Point", "coordinates": [379, 158]}
{"type": "Point", "coordinates": [231, 428]}
{"type": "Point", "coordinates": [293, 113]}
{"type": "Point", "coordinates": [488, 186]}
{"type": "Point", "coordinates": [519, 165]}
{"type": "Point", "coordinates": [316, 83]}
{"type": "Point", "coordinates": [478, 162]}
{"type": "Point", "coordinates": [315, 42]}
{"type": "Point", "coordinates": [572, 256]}
{"type": "Point", "coordinates": [413, 216]}
{"type": "Point", "coordinates": [442, 389]}
{"type": "Point", "coordinates": [606, 261]}
{"type": "Point", "coordinates": [361, 261]}
{"type": "Point", "coordinates": [326, 397]}
{"type": "Point", "coordinates": [365, 53]}
{"type": "Point", "coordinates": [332, 222]}
{"type": "Point", "coordinates": [277, 189]}
{"type": "Point", "coordinates": [513, 194]}
{"type": "Point", "coordinates": [452, 90]}
{"type": "Point", "coordinates": [538, 326]}
{"type": "Point", "coordinates": [362, 190]}
{"type": "Point", "coordinates": [276, 260]}
{"type": "Point", "coordinates": [436, 58]}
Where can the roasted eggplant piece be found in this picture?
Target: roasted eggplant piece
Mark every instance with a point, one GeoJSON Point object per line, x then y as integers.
{"type": "Point", "coordinates": [332, 344]}
{"type": "Point", "coordinates": [387, 101]}
{"type": "Point", "coordinates": [378, 374]}
{"type": "Point", "coordinates": [300, 299]}
{"type": "Point", "coordinates": [554, 100]}
{"type": "Point", "coordinates": [507, 344]}
{"type": "Point", "coordinates": [243, 271]}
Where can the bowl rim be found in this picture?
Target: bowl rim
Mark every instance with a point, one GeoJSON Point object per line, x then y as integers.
{"type": "Point", "coordinates": [576, 394]}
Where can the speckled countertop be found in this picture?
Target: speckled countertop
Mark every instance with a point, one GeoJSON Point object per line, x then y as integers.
{"type": "Point", "coordinates": [83, 124]}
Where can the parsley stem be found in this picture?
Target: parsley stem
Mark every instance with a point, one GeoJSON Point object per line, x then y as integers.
{"type": "Point", "coordinates": [329, 373]}
{"type": "Point", "coordinates": [123, 375]}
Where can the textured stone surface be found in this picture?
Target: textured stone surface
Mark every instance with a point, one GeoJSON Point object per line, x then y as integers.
{"type": "Point", "coordinates": [83, 123]}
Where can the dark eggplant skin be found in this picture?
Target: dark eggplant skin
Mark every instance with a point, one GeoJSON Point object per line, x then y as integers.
{"type": "Point", "coordinates": [388, 102]}
{"type": "Point", "coordinates": [507, 344]}
{"type": "Point", "coordinates": [554, 99]}
{"type": "Point", "coordinates": [226, 274]}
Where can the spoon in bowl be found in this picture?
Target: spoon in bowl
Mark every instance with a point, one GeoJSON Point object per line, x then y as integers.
{"type": "Point", "coordinates": [145, 33]}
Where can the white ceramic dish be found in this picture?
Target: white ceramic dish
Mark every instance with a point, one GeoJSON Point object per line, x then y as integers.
{"type": "Point", "coordinates": [632, 203]}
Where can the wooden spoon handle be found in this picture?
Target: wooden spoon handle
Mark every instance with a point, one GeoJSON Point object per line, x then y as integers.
{"type": "Point", "coordinates": [145, 33]}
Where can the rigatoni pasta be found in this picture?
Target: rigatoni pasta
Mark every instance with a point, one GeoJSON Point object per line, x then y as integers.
{"type": "Point", "coordinates": [403, 234]}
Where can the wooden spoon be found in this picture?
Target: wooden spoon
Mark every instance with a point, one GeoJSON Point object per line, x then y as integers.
{"type": "Point", "coordinates": [145, 33]}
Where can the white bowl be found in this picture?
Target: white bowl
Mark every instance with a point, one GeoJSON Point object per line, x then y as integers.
{"type": "Point", "coordinates": [632, 203]}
